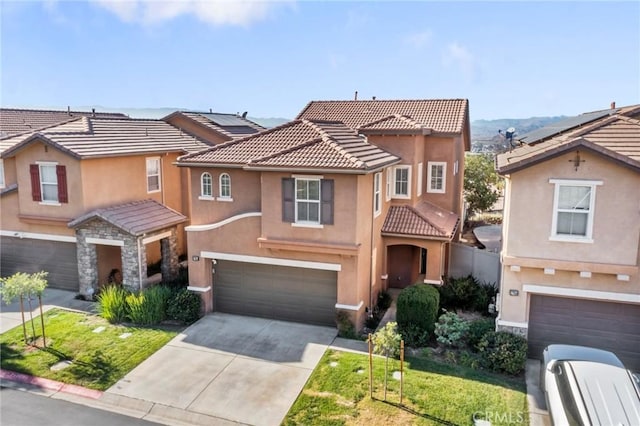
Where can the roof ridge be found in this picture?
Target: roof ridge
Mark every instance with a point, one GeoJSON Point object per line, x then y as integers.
{"type": "Point", "coordinates": [40, 129]}
{"type": "Point", "coordinates": [62, 111]}
{"type": "Point", "coordinates": [333, 142]}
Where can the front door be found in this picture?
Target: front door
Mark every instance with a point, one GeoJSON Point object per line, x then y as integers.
{"type": "Point", "coordinates": [400, 265]}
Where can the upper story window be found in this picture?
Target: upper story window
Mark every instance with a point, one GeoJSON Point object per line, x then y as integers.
{"type": "Point", "coordinates": [436, 177]}
{"type": "Point", "coordinates": [206, 185]}
{"type": "Point", "coordinates": [49, 183]}
{"type": "Point", "coordinates": [419, 184]}
{"type": "Point", "coordinates": [389, 182]}
{"type": "Point", "coordinates": [225, 185]}
{"type": "Point", "coordinates": [307, 200]}
{"type": "Point", "coordinates": [2, 184]}
{"type": "Point", "coordinates": [153, 174]}
{"type": "Point", "coordinates": [573, 210]}
{"type": "Point", "coordinates": [402, 182]}
{"type": "Point", "coordinates": [377, 194]}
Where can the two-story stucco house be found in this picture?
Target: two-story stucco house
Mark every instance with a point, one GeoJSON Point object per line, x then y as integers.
{"type": "Point", "coordinates": [571, 238]}
{"type": "Point", "coordinates": [93, 194]}
{"type": "Point", "coordinates": [320, 214]}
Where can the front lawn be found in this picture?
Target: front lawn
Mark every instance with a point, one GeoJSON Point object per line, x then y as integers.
{"type": "Point", "coordinates": [337, 393]}
{"type": "Point", "coordinates": [98, 359]}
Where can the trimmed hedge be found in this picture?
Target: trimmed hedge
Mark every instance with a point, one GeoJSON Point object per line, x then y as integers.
{"type": "Point", "coordinates": [417, 308]}
{"type": "Point", "coordinates": [184, 306]}
{"type": "Point", "coordinates": [502, 351]}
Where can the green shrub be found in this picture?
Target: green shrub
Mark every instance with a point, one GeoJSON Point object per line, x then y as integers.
{"type": "Point", "coordinates": [346, 328]}
{"type": "Point", "coordinates": [466, 293]}
{"type": "Point", "coordinates": [469, 360]}
{"type": "Point", "coordinates": [384, 300]}
{"type": "Point", "coordinates": [149, 306]}
{"type": "Point", "coordinates": [451, 330]}
{"type": "Point", "coordinates": [502, 351]}
{"type": "Point", "coordinates": [180, 281]}
{"type": "Point", "coordinates": [112, 304]}
{"type": "Point", "coordinates": [185, 306]}
{"type": "Point", "coordinates": [418, 305]}
{"type": "Point", "coordinates": [414, 336]}
{"type": "Point", "coordinates": [477, 330]}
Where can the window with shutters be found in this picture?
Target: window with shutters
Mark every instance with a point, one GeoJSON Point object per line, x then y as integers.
{"type": "Point", "coordinates": [307, 201]}
{"type": "Point", "coordinates": [49, 183]}
{"type": "Point", "coordinates": [153, 174]}
{"type": "Point", "coordinates": [573, 210]}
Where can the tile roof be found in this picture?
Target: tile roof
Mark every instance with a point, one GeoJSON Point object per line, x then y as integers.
{"type": "Point", "coordinates": [232, 126]}
{"type": "Point", "coordinates": [439, 115]}
{"type": "Point", "coordinates": [617, 137]}
{"type": "Point", "coordinates": [85, 137]}
{"type": "Point", "coordinates": [301, 144]}
{"type": "Point", "coordinates": [135, 218]}
{"type": "Point", "coordinates": [423, 220]}
{"type": "Point", "coordinates": [14, 120]}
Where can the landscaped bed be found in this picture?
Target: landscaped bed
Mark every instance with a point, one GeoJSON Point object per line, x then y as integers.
{"type": "Point", "coordinates": [100, 353]}
{"type": "Point", "coordinates": [338, 393]}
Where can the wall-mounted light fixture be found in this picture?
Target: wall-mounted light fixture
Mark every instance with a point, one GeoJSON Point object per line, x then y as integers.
{"type": "Point", "coordinates": [195, 258]}
{"type": "Point", "coordinates": [513, 292]}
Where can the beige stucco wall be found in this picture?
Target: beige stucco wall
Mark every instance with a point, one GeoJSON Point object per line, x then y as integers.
{"type": "Point", "coordinates": [527, 228]}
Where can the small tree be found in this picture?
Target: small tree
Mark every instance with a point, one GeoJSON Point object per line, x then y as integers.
{"type": "Point", "coordinates": [23, 286]}
{"type": "Point", "coordinates": [481, 183]}
{"type": "Point", "coordinates": [386, 341]}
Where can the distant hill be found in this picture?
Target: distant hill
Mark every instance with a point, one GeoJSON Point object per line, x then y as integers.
{"type": "Point", "coordinates": [485, 136]}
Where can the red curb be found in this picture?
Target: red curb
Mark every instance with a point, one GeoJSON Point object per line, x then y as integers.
{"type": "Point", "coordinates": [50, 384]}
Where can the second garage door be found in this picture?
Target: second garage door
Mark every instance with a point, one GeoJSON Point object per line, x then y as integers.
{"type": "Point", "coordinates": [611, 326]}
{"type": "Point", "coordinates": [278, 292]}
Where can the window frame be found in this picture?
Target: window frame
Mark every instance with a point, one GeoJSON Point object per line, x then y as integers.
{"type": "Point", "coordinates": [204, 196]}
{"type": "Point", "coordinates": [558, 184]}
{"type": "Point", "coordinates": [420, 177]}
{"type": "Point", "coordinates": [430, 187]}
{"type": "Point", "coordinates": [2, 180]}
{"type": "Point", "coordinates": [377, 194]}
{"type": "Point", "coordinates": [222, 186]}
{"type": "Point", "coordinates": [394, 193]}
{"type": "Point", "coordinates": [158, 174]}
{"type": "Point", "coordinates": [318, 203]}
{"type": "Point", "coordinates": [389, 183]}
{"type": "Point", "coordinates": [42, 183]}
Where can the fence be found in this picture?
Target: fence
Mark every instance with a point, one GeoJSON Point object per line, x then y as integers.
{"type": "Point", "coordinates": [482, 264]}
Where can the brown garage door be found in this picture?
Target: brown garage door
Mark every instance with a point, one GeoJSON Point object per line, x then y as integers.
{"type": "Point", "coordinates": [28, 255]}
{"type": "Point", "coordinates": [611, 326]}
{"type": "Point", "coordinates": [278, 292]}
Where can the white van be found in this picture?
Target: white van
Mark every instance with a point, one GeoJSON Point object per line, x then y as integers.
{"type": "Point", "coordinates": [588, 386]}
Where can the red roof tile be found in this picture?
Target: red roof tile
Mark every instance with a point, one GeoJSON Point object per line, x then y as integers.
{"type": "Point", "coordinates": [423, 220]}
{"type": "Point", "coordinates": [439, 115]}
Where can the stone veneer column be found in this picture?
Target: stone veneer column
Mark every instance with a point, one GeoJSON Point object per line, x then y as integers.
{"type": "Point", "coordinates": [169, 264]}
{"type": "Point", "coordinates": [133, 255]}
{"type": "Point", "coordinates": [87, 265]}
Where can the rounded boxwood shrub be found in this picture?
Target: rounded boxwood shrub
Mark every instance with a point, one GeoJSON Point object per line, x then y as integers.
{"type": "Point", "coordinates": [502, 351]}
{"type": "Point", "coordinates": [417, 306]}
{"type": "Point", "coordinates": [184, 306]}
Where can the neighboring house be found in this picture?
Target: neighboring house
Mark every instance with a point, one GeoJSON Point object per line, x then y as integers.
{"type": "Point", "coordinates": [320, 214]}
{"type": "Point", "coordinates": [93, 194]}
{"type": "Point", "coordinates": [571, 238]}
{"type": "Point", "coordinates": [213, 127]}
{"type": "Point", "coordinates": [15, 120]}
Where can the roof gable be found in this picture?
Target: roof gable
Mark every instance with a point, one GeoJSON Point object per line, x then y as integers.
{"type": "Point", "coordinates": [15, 121]}
{"type": "Point", "coordinates": [230, 126]}
{"type": "Point", "coordinates": [423, 220]}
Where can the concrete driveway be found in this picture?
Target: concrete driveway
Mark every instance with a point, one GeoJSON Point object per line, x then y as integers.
{"type": "Point", "coordinates": [241, 369]}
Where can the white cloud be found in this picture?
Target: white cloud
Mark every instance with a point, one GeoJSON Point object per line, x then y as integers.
{"type": "Point", "coordinates": [216, 12]}
{"type": "Point", "coordinates": [419, 40]}
{"type": "Point", "coordinates": [459, 57]}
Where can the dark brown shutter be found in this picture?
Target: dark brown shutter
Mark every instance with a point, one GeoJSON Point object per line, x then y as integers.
{"type": "Point", "coordinates": [34, 169]}
{"type": "Point", "coordinates": [61, 173]}
{"type": "Point", "coordinates": [288, 200]}
{"type": "Point", "coordinates": [326, 193]}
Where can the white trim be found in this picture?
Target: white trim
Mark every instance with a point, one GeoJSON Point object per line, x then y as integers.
{"type": "Point", "coordinates": [512, 323]}
{"type": "Point", "coordinates": [157, 237]}
{"type": "Point", "coordinates": [271, 261]}
{"type": "Point", "coordinates": [394, 194]}
{"type": "Point", "coordinates": [210, 226]}
{"type": "Point", "coordinates": [199, 289]}
{"type": "Point", "coordinates": [588, 237]}
{"type": "Point", "coordinates": [47, 163]}
{"type": "Point", "coordinates": [50, 203]}
{"type": "Point", "coordinates": [307, 225]}
{"type": "Point", "coordinates": [430, 166]}
{"type": "Point", "coordinates": [420, 178]}
{"type": "Point", "coordinates": [434, 282]}
{"type": "Point", "coordinates": [156, 158]}
{"type": "Point", "coordinates": [307, 177]}
{"type": "Point", "coordinates": [2, 180]}
{"type": "Point", "coordinates": [377, 178]}
{"type": "Point", "coordinates": [456, 167]}
{"type": "Point", "coordinates": [585, 274]}
{"type": "Point", "coordinates": [570, 239]}
{"type": "Point", "coordinates": [350, 307]}
{"type": "Point", "coordinates": [226, 199]}
{"type": "Point", "coordinates": [202, 194]}
{"type": "Point", "coordinates": [388, 183]}
{"type": "Point", "coordinates": [581, 294]}
{"type": "Point", "coordinates": [105, 242]}
{"type": "Point", "coordinates": [206, 198]}
{"type": "Point", "coordinates": [576, 182]}
{"type": "Point", "coordinates": [34, 236]}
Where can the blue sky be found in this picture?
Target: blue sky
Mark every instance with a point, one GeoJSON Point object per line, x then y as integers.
{"type": "Point", "coordinates": [510, 59]}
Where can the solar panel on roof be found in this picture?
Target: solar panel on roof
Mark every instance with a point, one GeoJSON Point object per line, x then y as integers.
{"type": "Point", "coordinates": [241, 130]}
{"type": "Point", "coordinates": [226, 119]}
{"type": "Point", "coordinates": [563, 125]}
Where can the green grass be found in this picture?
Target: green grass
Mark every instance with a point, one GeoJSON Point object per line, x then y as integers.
{"type": "Point", "coordinates": [98, 359]}
{"type": "Point", "coordinates": [433, 394]}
